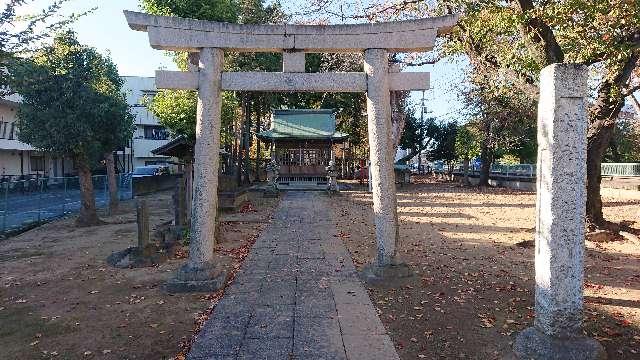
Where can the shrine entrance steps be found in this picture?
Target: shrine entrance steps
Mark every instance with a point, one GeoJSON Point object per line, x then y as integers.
{"type": "Point", "coordinates": [303, 182]}
{"type": "Point", "coordinates": [297, 296]}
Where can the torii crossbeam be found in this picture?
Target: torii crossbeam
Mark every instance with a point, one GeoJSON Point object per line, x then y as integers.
{"type": "Point", "coordinates": [210, 39]}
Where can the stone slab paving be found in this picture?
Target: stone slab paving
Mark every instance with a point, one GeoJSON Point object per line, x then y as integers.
{"type": "Point", "coordinates": [297, 296]}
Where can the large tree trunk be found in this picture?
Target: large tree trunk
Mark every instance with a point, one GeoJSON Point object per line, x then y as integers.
{"type": "Point", "coordinates": [241, 128]}
{"type": "Point", "coordinates": [258, 125]}
{"type": "Point", "coordinates": [398, 116]}
{"type": "Point", "coordinates": [88, 215]}
{"type": "Point", "coordinates": [485, 168]}
{"type": "Point", "coordinates": [602, 122]}
{"type": "Point", "coordinates": [601, 128]}
{"type": "Point", "coordinates": [188, 173]}
{"type": "Point", "coordinates": [114, 200]}
{"type": "Point", "coordinates": [465, 171]}
{"type": "Point", "coordinates": [246, 143]}
{"type": "Point", "coordinates": [597, 145]}
{"type": "Point", "coordinates": [486, 155]}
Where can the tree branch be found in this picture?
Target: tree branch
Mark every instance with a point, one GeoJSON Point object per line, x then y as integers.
{"type": "Point", "coordinates": [635, 103]}
{"type": "Point", "coordinates": [542, 34]}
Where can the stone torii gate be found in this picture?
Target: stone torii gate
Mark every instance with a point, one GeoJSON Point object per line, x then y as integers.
{"type": "Point", "coordinates": [207, 42]}
{"type": "Point", "coordinates": [561, 152]}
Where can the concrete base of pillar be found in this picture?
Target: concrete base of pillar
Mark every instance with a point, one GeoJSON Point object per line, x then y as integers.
{"type": "Point", "coordinates": [389, 274]}
{"type": "Point", "coordinates": [189, 279]}
{"type": "Point", "coordinates": [534, 344]}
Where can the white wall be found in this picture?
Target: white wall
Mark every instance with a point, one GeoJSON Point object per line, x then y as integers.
{"type": "Point", "coordinates": [15, 155]}
{"type": "Point", "coordinates": [136, 88]}
{"type": "Point", "coordinates": [10, 148]}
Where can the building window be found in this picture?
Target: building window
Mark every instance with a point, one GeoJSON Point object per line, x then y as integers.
{"type": "Point", "coordinates": [7, 130]}
{"type": "Point", "coordinates": [37, 163]}
{"type": "Point", "coordinates": [155, 133]}
{"type": "Point", "coordinates": [12, 131]}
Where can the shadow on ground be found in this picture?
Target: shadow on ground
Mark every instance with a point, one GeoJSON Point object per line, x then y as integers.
{"type": "Point", "coordinates": [474, 288]}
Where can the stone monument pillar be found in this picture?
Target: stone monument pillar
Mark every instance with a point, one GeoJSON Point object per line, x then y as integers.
{"type": "Point", "coordinates": [332, 176]}
{"type": "Point", "coordinates": [273, 171]}
{"type": "Point", "coordinates": [560, 220]}
{"type": "Point", "coordinates": [381, 153]}
{"type": "Point", "coordinates": [200, 273]}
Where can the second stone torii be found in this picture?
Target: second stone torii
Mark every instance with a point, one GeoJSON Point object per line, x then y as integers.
{"type": "Point", "coordinates": [211, 39]}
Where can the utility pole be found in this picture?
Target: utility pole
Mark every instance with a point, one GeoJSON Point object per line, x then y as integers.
{"type": "Point", "coordinates": [422, 111]}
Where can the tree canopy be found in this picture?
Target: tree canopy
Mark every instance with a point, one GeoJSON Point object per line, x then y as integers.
{"type": "Point", "coordinates": [467, 143]}
{"type": "Point", "coordinates": [72, 105]}
{"type": "Point", "coordinates": [72, 101]}
{"type": "Point", "coordinates": [218, 10]}
{"type": "Point", "coordinates": [21, 34]}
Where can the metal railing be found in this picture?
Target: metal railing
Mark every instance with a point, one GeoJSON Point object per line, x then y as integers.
{"type": "Point", "coordinates": [621, 169]}
{"type": "Point", "coordinates": [517, 170]}
{"type": "Point", "coordinates": [529, 170]}
{"type": "Point", "coordinates": [25, 202]}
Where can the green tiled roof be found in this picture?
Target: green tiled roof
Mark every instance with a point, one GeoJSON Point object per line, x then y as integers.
{"type": "Point", "coordinates": [303, 124]}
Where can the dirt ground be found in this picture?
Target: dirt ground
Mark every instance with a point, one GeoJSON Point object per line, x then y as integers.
{"type": "Point", "coordinates": [473, 291]}
{"type": "Point", "coordinates": [59, 298]}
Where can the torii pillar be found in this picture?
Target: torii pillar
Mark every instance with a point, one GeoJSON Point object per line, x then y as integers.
{"type": "Point", "coordinates": [381, 155]}
{"type": "Point", "coordinates": [201, 273]}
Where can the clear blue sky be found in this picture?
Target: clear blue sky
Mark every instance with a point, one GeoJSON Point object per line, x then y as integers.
{"type": "Point", "coordinates": [106, 29]}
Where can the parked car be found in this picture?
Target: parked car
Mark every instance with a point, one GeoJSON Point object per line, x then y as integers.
{"type": "Point", "coordinates": [150, 170]}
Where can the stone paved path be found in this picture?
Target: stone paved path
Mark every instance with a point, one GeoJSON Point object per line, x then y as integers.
{"type": "Point", "coordinates": [297, 296]}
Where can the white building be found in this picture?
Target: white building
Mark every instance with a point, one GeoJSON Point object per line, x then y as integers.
{"type": "Point", "coordinates": [149, 134]}
{"type": "Point", "coordinates": [19, 160]}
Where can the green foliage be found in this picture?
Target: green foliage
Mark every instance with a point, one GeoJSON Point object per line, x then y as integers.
{"type": "Point", "coordinates": [175, 110]}
{"type": "Point", "coordinates": [19, 34]}
{"type": "Point", "coordinates": [591, 31]}
{"type": "Point", "coordinates": [509, 160]}
{"type": "Point", "coordinates": [625, 144]}
{"type": "Point", "coordinates": [214, 10]}
{"type": "Point", "coordinates": [509, 42]}
{"type": "Point", "coordinates": [467, 145]}
{"type": "Point", "coordinates": [186, 236]}
{"type": "Point", "coordinates": [418, 133]}
{"type": "Point", "coordinates": [502, 111]}
{"type": "Point", "coordinates": [506, 36]}
{"type": "Point", "coordinates": [72, 101]}
{"type": "Point", "coordinates": [445, 142]}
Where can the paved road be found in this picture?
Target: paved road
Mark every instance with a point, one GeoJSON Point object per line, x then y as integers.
{"type": "Point", "coordinates": [297, 296]}
{"type": "Point", "coordinates": [19, 209]}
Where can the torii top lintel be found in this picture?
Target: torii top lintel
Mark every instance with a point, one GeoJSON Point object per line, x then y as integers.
{"type": "Point", "coordinates": [180, 34]}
